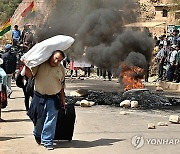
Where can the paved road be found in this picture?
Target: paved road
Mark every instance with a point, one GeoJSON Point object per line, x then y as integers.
{"type": "Point", "coordinates": [98, 129]}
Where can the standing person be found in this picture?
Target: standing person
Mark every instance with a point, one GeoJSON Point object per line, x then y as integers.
{"type": "Point", "coordinates": [174, 38]}
{"type": "Point", "coordinates": [86, 63]}
{"type": "Point", "coordinates": [99, 72]}
{"type": "Point", "coordinates": [28, 38]}
{"type": "Point", "coordinates": [178, 65]}
{"type": "Point", "coordinates": [108, 73]}
{"type": "Point", "coordinates": [163, 40]}
{"type": "Point", "coordinates": [16, 35]}
{"type": "Point", "coordinates": [160, 57]}
{"type": "Point", "coordinates": [2, 82]}
{"type": "Point", "coordinates": [72, 68]}
{"type": "Point", "coordinates": [48, 97]}
{"type": "Point", "coordinates": [87, 71]}
{"type": "Point", "coordinates": [172, 62]}
{"type": "Point", "coordinates": [26, 27]}
{"type": "Point", "coordinates": [9, 65]}
{"type": "Point", "coordinates": [147, 72]}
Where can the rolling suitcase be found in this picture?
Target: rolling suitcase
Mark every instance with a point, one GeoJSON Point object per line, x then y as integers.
{"type": "Point", "coordinates": [65, 123]}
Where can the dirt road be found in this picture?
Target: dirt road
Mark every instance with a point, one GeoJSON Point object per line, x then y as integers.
{"type": "Point", "coordinates": [98, 129]}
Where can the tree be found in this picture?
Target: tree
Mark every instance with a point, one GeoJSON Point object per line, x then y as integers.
{"type": "Point", "coordinates": [7, 8]}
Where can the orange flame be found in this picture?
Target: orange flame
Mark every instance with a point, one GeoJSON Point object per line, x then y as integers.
{"type": "Point", "coordinates": [131, 77]}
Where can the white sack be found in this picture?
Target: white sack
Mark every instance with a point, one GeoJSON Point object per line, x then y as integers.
{"type": "Point", "coordinates": [42, 51]}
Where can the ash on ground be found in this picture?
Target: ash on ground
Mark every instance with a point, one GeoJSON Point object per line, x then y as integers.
{"type": "Point", "coordinates": [147, 99]}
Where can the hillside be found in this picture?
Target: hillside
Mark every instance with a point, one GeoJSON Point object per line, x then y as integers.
{"type": "Point", "coordinates": [67, 16]}
{"type": "Point", "coordinates": [7, 8]}
{"type": "Point", "coordinates": [42, 10]}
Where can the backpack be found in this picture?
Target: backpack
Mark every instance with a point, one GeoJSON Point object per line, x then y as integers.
{"type": "Point", "coordinates": [9, 64]}
{"type": "Point", "coordinates": [19, 81]}
{"type": "Point", "coordinates": [29, 87]}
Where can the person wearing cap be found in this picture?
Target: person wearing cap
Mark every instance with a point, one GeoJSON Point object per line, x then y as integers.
{"type": "Point", "coordinates": [16, 35]}
{"type": "Point", "coordinates": [9, 65]}
{"type": "Point", "coordinates": [48, 97]}
{"type": "Point", "coordinates": [172, 62]}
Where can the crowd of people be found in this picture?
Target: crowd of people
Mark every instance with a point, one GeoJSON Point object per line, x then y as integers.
{"type": "Point", "coordinates": [104, 74]}
{"type": "Point", "coordinates": [10, 59]}
{"type": "Point", "coordinates": [167, 57]}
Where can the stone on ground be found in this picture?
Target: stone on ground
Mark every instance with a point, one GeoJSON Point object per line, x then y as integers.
{"type": "Point", "coordinates": [162, 124]}
{"type": "Point", "coordinates": [134, 104]}
{"type": "Point", "coordinates": [123, 112]}
{"type": "Point", "coordinates": [174, 118]}
{"type": "Point", "coordinates": [125, 103]}
{"type": "Point", "coordinates": [151, 126]}
{"type": "Point", "coordinates": [159, 88]}
{"type": "Point", "coordinates": [85, 103]}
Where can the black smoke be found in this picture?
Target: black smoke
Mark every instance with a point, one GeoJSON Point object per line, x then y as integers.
{"type": "Point", "coordinates": [100, 25]}
{"type": "Point", "coordinates": [125, 43]}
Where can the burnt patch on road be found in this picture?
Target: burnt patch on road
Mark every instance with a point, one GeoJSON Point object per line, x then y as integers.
{"type": "Point", "coordinates": [147, 99]}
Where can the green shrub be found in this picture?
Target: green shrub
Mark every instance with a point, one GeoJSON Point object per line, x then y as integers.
{"type": "Point", "coordinates": [7, 8]}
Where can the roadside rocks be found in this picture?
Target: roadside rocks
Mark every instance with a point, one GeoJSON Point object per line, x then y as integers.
{"type": "Point", "coordinates": [139, 98]}
{"type": "Point", "coordinates": [174, 119]}
{"type": "Point", "coordinates": [123, 113]}
{"type": "Point", "coordinates": [128, 103]}
{"type": "Point", "coordinates": [134, 104]}
{"type": "Point", "coordinates": [99, 97]}
{"type": "Point", "coordinates": [125, 103]}
{"type": "Point", "coordinates": [79, 93]}
{"type": "Point", "coordinates": [162, 124]}
{"type": "Point", "coordinates": [147, 99]}
{"type": "Point", "coordinates": [159, 88]}
{"type": "Point", "coordinates": [151, 126]}
{"type": "Point", "coordinates": [85, 103]}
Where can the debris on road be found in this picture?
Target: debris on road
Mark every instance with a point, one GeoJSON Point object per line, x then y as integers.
{"type": "Point", "coordinates": [123, 113]}
{"type": "Point", "coordinates": [162, 124]}
{"type": "Point", "coordinates": [79, 92]}
{"type": "Point", "coordinates": [174, 118]}
{"type": "Point", "coordinates": [134, 104]}
{"type": "Point", "coordinates": [125, 103]}
{"type": "Point", "coordinates": [159, 89]}
{"type": "Point", "coordinates": [151, 126]}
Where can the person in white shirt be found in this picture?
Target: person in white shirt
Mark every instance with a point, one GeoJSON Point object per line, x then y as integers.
{"type": "Point", "coordinates": [163, 40]}
{"type": "Point", "coordinates": [160, 57]}
{"type": "Point", "coordinates": [172, 62]}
